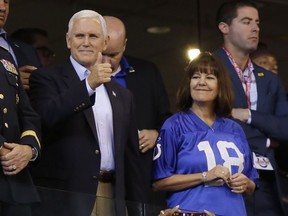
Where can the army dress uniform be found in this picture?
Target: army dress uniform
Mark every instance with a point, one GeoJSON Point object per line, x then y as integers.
{"type": "Point", "coordinates": [18, 124]}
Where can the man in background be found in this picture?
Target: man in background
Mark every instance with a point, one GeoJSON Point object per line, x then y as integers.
{"type": "Point", "coordinates": [263, 57]}
{"type": "Point", "coordinates": [260, 104]}
{"type": "Point", "coordinates": [38, 38]}
{"type": "Point", "coordinates": [144, 80]}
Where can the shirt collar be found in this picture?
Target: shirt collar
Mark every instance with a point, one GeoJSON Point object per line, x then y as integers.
{"type": "Point", "coordinates": [125, 65]}
{"type": "Point", "coordinates": [3, 40]}
{"type": "Point", "coordinates": [3, 33]}
{"type": "Point", "coordinates": [123, 68]}
{"type": "Point", "coordinates": [81, 71]}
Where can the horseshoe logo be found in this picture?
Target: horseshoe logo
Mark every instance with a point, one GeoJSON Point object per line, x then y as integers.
{"type": "Point", "coordinates": [158, 150]}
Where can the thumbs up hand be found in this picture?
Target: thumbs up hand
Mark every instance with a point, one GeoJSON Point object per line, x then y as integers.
{"type": "Point", "coordinates": [100, 73]}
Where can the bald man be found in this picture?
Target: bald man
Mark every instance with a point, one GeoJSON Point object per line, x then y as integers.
{"type": "Point", "coordinates": [144, 80]}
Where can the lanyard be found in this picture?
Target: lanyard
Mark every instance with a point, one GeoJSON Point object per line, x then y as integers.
{"type": "Point", "coordinates": [246, 79]}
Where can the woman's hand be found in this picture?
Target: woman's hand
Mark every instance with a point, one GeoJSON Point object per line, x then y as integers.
{"type": "Point", "coordinates": [169, 212]}
{"type": "Point", "coordinates": [217, 176]}
{"type": "Point", "coordinates": [239, 183]}
{"type": "Point", "coordinates": [209, 213]}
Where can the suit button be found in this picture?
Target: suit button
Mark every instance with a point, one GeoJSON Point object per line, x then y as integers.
{"type": "Point", "coordinates": [17, 98]}
{"type": "Point", "coordinates": [1, 96]}
{"type": "Point", "coordinates": [5, 110]}
{"type": "Point", "coordinates": [6, 125]}
{"type": "Point", "coordinates": [94, 177]}
{"type": "Point", "coordinates": [97, 152]}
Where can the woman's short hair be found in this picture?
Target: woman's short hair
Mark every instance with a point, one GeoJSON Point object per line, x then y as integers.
{"type": "Point", "coordinates": [209, 64]}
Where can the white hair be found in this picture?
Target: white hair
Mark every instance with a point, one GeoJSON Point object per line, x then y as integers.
{"type": "Point", "coordinates": [88, 14]}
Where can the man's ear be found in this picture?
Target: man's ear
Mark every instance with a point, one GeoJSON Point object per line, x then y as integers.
{"type": "Point", "coordinates": [223, 27]}
{"type": "Point", "coordinates": [106, 42]}
{"type": "Point", "coordinates": [68, 41]}
{"type": "Point", "coordinates": [124, 45]}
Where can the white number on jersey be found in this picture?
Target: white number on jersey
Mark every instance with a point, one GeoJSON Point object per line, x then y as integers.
{"type": "Point", "coordinates": [222, 147]}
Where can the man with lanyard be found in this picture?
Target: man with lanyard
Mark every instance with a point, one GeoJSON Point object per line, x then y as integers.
{"type": "Point", "coordinates": [260, 105]}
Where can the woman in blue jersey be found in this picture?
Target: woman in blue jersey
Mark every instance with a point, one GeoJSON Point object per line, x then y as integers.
{"type": "Point", "coordinates": [202, 158]}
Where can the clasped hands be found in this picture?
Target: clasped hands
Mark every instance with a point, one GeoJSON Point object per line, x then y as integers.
{"type": "Point", "coordinates": [14, 157]}
{"type": "Point", "coordinates": [220, 175]}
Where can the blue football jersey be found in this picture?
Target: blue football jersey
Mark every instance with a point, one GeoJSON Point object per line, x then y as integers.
{"type": "Point", "coordinates": [187, 145]}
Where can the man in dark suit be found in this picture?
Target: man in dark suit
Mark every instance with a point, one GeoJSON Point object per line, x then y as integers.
{"type": "Point", "coordinates": [37, 38]}
{"type": "Point", "coordinates": [144, 80]}
{"type": "Point", "coordinates": [260, 104]}
{"type": "Point", "coordinates": [89, 127]}
{"type": "Point", "coordinates": [25, 55]}
{"type": "Point", "coordinates": [26, 58]}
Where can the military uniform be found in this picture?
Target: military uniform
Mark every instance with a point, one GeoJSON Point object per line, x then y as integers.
{"type": "Point", "coordinates": [18, 124]}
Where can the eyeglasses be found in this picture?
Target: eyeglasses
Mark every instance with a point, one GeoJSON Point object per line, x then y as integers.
{"type": "Point", "coordinates": [46, 52]}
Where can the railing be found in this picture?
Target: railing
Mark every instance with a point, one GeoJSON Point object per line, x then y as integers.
{"type": "Point", "coordinates": [64, 203]}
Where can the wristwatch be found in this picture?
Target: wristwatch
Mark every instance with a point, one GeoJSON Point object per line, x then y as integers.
{"type": "Point", "coordinates": [34, 154]}
{"type": "Point", "coordinates": [204, 177]}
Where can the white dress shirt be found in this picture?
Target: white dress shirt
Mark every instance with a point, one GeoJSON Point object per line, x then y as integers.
{"type": "Point", "coordinates": [103, 117]}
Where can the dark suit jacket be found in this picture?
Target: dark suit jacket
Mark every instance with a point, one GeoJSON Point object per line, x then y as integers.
{"type": "Point", "coordinates": [270, 120]}
{"type": "Point", "coordinates": [151, 100]}
{"type": "Point", "coordinates": [25, 54]}
{"type": "Point", "coordinates": [152, 109]}
{"type": "Point", "coordinates": [71, 153]}
{"type": "Point", "coordinates": [281, 157]}
{"type": "Point", "coordinates": [20, 119]}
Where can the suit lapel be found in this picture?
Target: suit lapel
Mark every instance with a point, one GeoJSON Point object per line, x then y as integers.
{"type": "Point", "coordinates": [70, 77]}
{"type": "Point", "coordinates": [90, 119]}
{"type": "Point", "coordinates": [114, 98]}
{"type": "Point", "coordinates": [262, 84]}
{"type": "Point", "coordinates": [239, 93]}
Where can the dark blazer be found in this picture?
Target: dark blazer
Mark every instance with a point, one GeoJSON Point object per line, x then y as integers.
{"type": "Point", "coordinates": [71, 153]}
{"type": "Point", "coordinates": [19, 124]}
{"type": "Point", "coordinates": [152, 109]}
{"type": "Point", "coordinates": [270, 120]}
{"type": "Point", "coordinates": [150, 96]}
{"type": "Point", "coordinates": [281, 157]}
{"type": "Point", "coordinates": [25, 54]}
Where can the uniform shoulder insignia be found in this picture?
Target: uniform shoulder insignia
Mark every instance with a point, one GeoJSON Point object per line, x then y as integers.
{"type": "Point", "coordinates": [9, 66]}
